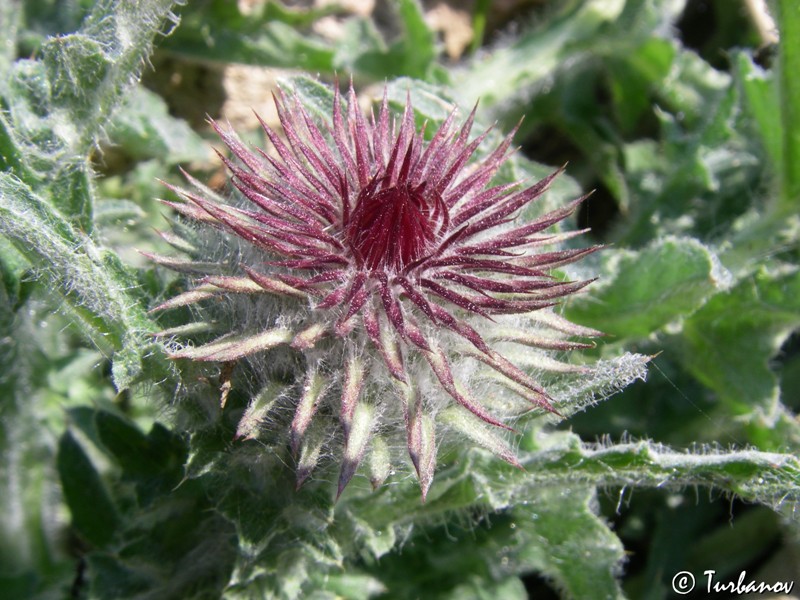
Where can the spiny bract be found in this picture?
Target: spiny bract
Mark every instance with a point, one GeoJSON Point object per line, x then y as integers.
{"type": "Point", "coordinates": [385, 262]}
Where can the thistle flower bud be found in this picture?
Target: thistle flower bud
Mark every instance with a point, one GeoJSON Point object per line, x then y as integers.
{"type": "Point", "coordinates": [393, 269]}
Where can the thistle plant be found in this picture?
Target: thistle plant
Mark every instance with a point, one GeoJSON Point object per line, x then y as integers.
{"type": "Point", "coordinates": [382, 260]}
{"type": "Point", "coordinates": [397, 301]}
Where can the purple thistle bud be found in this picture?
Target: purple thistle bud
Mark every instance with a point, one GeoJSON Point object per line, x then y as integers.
{"type": "Point", "coordinates": [395, 258]}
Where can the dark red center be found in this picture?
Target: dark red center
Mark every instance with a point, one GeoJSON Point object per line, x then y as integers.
{"type": "Point", "coordinates": [393, 227]}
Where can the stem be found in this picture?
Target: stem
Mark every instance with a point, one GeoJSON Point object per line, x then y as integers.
{"type": "Point", "coordinates": [93, 286]}
{"type": "Point", "coordinates": [765, 477]}
{"type": "Point", "coordinates": [769, 478]}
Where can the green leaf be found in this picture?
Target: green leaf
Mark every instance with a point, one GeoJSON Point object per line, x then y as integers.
{"type": "Point", "coordinates": [506, 73]}
{"type": "Point", "coordinates": [552, 530]}
{"type": "Point", "coordinates": [544, 518]}
{"type": "Point", "coordinates": [126, 443]}
{"type": "Point", "coordinates": [94, 515]}
{"type": "Point", "coordinates": [572, 108]}
{"type": "Point", "coordinates": [144, 129]}
{"type": "Point", "coordinates": [568, 543]}
{"type": "Point", "coordinates": [511, 588]}
{"type": "Point", "coordinates": [364, 51]}
{"type": "Point", "coordinates": [58, 105]}
{"type": "Point", "coordinates": [788, 16]}
{"type": "Point", "coordinates": [694, 85]}
{"type": "Point", "coordinates": [457, 560]}
{"type": "Point", "coordinates": [216, 30]}
{"type": "Point", "coordinates": [432, 103]}
{"type": "Point", "coordinates": [139, 455]}
{"type": "Point", "coordinates": [94, 283]}
{"type": "Point", "coordinates": [360, 43]}
{"type": "Point", "coordinates": [92, 69]}
{"type": "Point", "coordinates": [19, 586]}
{"type": "Point", "coordinates": [418, 43]}
{"type": "Point", "coordinates": [154, 461]}
{"type": "Point", "coordinates": [730, 341]}
{"type": "Point", "coordinates": [75, 196]}
{"type": "Point", "coordinates": [181, 549]}
{"type": "Point", "coordinates": [26, 129]}
{"type": "Point", "coordinates": [112, 579]}
{"type": "Point", "coordinates": [76, 67]}
{"type": "Point", "coordinates": [761, 100]}
{"type": "Point", "coordinates": [316, 97]}
{"type": "Point", "coordinates": [635, 75]}
{"type": "Point", "coordinates": [700, 177]}
{"type": "Point", "coordinates": [642, 291]}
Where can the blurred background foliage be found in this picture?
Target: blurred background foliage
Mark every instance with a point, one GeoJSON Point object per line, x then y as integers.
{"type": "Point", "coordinates": [683, 116]}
